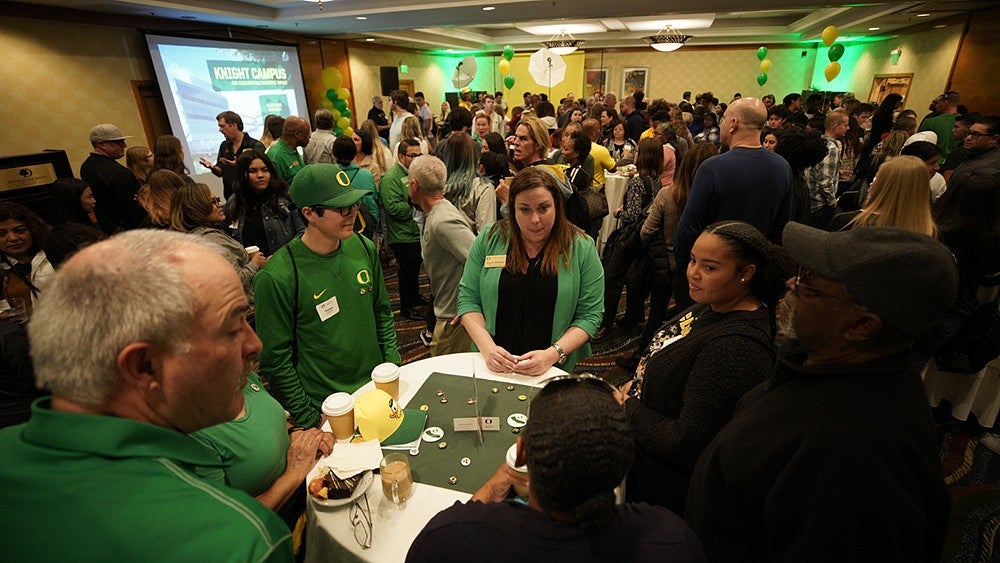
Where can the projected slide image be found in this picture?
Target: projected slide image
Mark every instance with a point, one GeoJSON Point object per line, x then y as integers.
{"type": "Point", "coordinates": [201, 78]}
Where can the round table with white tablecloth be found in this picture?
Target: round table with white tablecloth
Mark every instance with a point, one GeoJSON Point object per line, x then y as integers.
{"type": "Point", "coordinates": [330, 533]}
{"type": "Point", "coordinates": [614, 190]}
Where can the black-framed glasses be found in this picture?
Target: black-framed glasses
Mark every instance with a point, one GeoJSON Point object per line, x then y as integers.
{"type": "Point", "coordinates": [361, 521]}
{"type": "Point", "coordinates": [806, 275]}
{"type": "Point", "coordinates": [216, 200]}
{"type": "Point", "coordinates": [414, 155]}
{"type": "Point", "coordinates": [344, 211]}
{"type": "Point", "coordinates": [977, 134]}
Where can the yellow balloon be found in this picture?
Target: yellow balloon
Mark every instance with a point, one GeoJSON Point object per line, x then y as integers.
{"type": "Point", "coordinates": [327, 104]}
{"type": "Point", "coordinates": [334, 111]}
{"type": "Point", "coordinates": [332, 78]}
{"type": "Point", "coordinates": [504, 67]}
{"type": "Point", "coordinates": [343, 94]}
{"type": "Point", "coordinates": [830, 34]}
{"type": "Point", "coordinates": [343, 123]}
{"type": "Point", "coordinates": [831, 71]}
{"type": "Point", "coordinates": [765, 65]}
{"type": "Point", "coordinates": [348, 131]}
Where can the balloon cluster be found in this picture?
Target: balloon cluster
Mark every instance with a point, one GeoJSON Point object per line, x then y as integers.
{"type": "Point", "coordinates": [504, 66]}
{"type": "Point", "coordinates": [836, 51]}
{"type": "Point", "coordinates": [765, 65]}
{"type": "Point", "coordinates": [335, 100]}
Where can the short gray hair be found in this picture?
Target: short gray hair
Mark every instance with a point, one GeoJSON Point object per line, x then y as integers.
{"type": "Point", "coordinates": [429, 172]}
{"type": "Point", "coordinates": [126, 289]}
{"type": "Point", "coordinates": [323, 118]}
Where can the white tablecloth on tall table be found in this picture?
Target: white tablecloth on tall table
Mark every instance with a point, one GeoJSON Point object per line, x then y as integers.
{"type": "Point", "coordinates": [614, 190]}
{"type": "Point", "coordinates": [978, 393]}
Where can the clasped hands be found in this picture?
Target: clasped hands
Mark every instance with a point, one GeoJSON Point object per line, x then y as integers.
{"type": "Point", "coordinates": [535, 362]}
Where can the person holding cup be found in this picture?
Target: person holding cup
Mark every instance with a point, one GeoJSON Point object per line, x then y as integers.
{"type": "Point", "coordinates": [532, 293]}
{"type": "Point", "coordinates": [260, 211]}
{"type": "Point", "coordinates": [577, 446]}
{"type": "Point", "coordinates": [194, 210]}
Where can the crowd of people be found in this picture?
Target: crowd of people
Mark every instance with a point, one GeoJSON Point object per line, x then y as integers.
{"type": "Point", "coordinates": [792, 268]}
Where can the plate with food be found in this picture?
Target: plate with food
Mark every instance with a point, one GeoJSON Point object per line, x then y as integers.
{"type": "Point", "coordinates": [326, 489]}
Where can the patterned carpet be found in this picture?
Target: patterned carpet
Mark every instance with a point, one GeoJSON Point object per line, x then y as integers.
{"type": "Point", "coordinates": [972, 471]}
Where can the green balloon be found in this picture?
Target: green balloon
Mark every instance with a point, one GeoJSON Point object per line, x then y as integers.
{"type": "Point", "coordinates": [508, 81]}
{"type": "Point", "coordinates": [761, 79]}
{"type": "Point", "coordinates": [345, 112]}
{"type": "Point", "coordinates": [340, 105]}
{"type": "Point", "coordinates": [508, 53]}
{"type": "Point", "coordinates": [338, 131]}
{"type": "Point", "coordinates": [761, 53]}
{"type": "Point", "coordinates": [331, 95]}
{"type": "Point", "coordinates": [836, 51]}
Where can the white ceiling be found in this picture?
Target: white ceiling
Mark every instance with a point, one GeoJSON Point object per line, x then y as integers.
{"type": "Point", "coordinates": [465, 26]}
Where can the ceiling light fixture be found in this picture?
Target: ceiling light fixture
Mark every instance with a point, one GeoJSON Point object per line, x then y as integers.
{"type": "Point", "coordinates": [667, 40]}
{"type": "Point", "coordinates": [369, 39]}
{"type": "Point", "coordinates": [874, 28]}
{"type": "Point", "coordinates": [562, 43]}
{"type": "Point", "coordinates": [361, 18]}
{"type": "Point", "coordinates": [923, 15]}
{"type": "Point", "coordinates": [489, 8]}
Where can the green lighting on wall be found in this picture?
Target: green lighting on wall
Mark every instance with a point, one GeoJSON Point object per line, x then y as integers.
{"type": "Point", "coordinates": [844, 81]}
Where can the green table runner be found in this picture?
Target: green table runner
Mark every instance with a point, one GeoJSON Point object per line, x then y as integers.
{"type": "Point", "coordinates": [433, 465]}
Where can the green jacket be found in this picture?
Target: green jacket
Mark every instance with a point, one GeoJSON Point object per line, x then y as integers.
{"type": "Point", "coordinates": [399, 223]}
{"type": "Point", "coordinates": [580, 297]}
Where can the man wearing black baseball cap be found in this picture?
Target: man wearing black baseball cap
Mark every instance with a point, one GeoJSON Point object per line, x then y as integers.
{"type": "Point", "coordinates": [836, 455]}
{"type": "Point", "coordinates": [114, 185]}
{"type": "Point", "coordinates": [323, 313]}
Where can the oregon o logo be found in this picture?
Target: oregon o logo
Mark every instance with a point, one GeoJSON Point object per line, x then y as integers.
{"type": "Point", "coordinates": [364, 277]}
{"type": "Point", "coordinates": [345, 181]}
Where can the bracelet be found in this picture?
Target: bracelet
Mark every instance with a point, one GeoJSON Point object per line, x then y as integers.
{"type": "Point", "coordinates": [562, 353]}
{"type": "Point", "coordinates": [292, 429]}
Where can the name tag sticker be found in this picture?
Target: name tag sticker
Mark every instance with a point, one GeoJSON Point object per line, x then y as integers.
{"type": "Point", "coordinates": [495, 261]}
{"type": "Point", "coordinates": [328, 308]}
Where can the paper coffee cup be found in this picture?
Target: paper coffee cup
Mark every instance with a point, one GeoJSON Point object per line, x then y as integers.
{"type": "Point", "coordinates": [339, 409]}
{"type": "Point", "coordinates": [512, 463]}
{"type": "Point", "coordinates": [251, 250]}
{"type": "Point", "coordinates": [386, 378]}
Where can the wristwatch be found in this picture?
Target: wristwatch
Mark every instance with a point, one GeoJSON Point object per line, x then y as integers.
{"type": "Point", "coordinates": [562, 353]}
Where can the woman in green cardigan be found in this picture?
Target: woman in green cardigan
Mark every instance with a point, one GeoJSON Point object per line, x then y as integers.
{"type": "Point", "coordinates": [532, 293]}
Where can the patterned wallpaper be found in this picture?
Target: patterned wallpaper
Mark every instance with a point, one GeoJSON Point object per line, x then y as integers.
{"type": "Point", "coordinates": [61, 79]}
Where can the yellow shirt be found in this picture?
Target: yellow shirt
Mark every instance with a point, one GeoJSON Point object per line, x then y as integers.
{"type": "Point", "coordinates": [602, 161]}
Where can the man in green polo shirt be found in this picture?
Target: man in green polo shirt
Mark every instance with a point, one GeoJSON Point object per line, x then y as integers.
{"type": "Point", "coordinates": [142, 339]}
{"type": "Point", "coordinates": [402, 231]}
{"type": "Point", "coordinates": [284, 152]}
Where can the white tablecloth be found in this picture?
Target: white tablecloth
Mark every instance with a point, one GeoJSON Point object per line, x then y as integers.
{"type": "Point", "coordinates": [978, 393]}
{"type": "Point", "coordinates": [614, 190]}
{"type": "Point", "coordinates": [330, 536]}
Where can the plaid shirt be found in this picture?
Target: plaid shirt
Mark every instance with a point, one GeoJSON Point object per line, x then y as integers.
{"type": "Point", "coordinates": [822, 178]}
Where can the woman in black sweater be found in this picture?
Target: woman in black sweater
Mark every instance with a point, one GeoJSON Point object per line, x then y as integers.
{"type": "Point", "coordinates": [702, 361]}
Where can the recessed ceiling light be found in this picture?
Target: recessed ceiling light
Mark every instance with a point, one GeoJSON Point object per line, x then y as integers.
{"type": "Point", "coordinates": [361, 18]}
{"type": "Point", "coordinates": [923, 15]}
{"type": "Point", "coordinates": [874, 28]}
{"type": "Point", "coordinates": [489, 8]}
{"type": "Point", "coordinates": [939, 26]}
{"type": "Point", "coordinates": [370, 39]}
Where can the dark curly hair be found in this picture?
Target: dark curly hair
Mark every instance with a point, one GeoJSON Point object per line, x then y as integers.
{"type": "Point", "coordinates": [243, 191]}
{"type": "Point", "coordinates": [801, 148]}
{"type": "Point", "coordinates": [578, 446]}
{"type": "Point", "coordinates": [38, 228]}
{"type": "Point", "coordinates": [750, 246]}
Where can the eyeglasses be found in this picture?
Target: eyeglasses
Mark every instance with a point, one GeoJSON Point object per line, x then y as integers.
{"type": "Point", "coordinates": [216, 200]}
{"type": "Point", "coordinates": [804, 274]}
{"type": "Point", "coordinates": [977, 134]}
{"type": "Point", "coordinates": [344, 211]}
{"type": "Point", "coordinates": [413, 155]}
{"type": "Point", "coordinates": [579, 378]}
{"type": "Point", "coordinates": [361, 521]}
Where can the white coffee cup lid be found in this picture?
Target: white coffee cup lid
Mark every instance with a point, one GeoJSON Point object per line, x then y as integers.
{"type": "Point", "coordinates": [384, 373]}
{"type": "Point", "coordinates": [252, 249]}
{"type": "Point", "coordinates": [338, 404]}
{"type": "Point", "coordinates": [512, 460]}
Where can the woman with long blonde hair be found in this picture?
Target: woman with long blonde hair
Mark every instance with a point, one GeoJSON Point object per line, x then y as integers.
{"type": "Point", "coordinates": [373, 156]}
{"type": "Point", "coordinates": [139, 160]}
{"type": "Point", "coordinates": [168, 154]}
{"type": "Point", "coordinates": [900, 196]}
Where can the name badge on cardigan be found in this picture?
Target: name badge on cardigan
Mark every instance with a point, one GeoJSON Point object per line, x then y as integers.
{"type": "Point", "coordinates": [495, 261]}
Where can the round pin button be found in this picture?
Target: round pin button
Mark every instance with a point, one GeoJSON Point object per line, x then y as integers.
{"type": "Point", "coordinates": [424, 408]}
{"type": "Point", "coordinates": [255, 387]}
{"type": "Point", "coordinates": [444, 400]}
{"type": "Point", "coordinates": [433, 434]}
{"type": "Point", "coordinates": [442, 445]}
{"type": "Point", "coordinates": [466, 462]}
{"type": "Point", "coordinates": [517, 420]}
{"type": "Point", "coordinates": [495, 390]}
{"type": "Point", "coordinates": [414, 451]}
{"type": "Point", "coordinates": [439, 393]}
{"type": "Point", "coordinates": [522, 397]}
{"type": "Point", "coordinates": [453, 480]}
{"type": "Point", "coordinates": [510, 387]}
